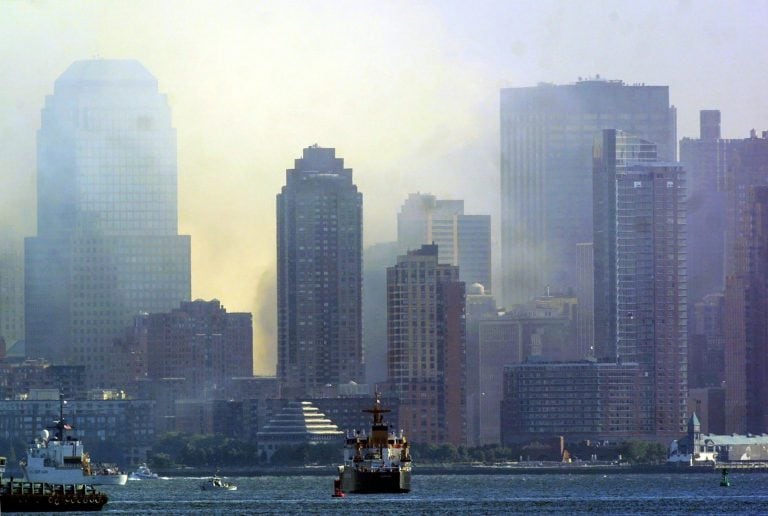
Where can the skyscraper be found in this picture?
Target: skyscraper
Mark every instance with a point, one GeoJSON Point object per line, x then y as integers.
{"type": "Point", "coordinates": [746, 322]}
{"type": "Point", "coordinates": [547, 134]}
{"type": "Point", "coordinates": [704, 160]}
{"type": "Point", "coordinates": [107, 245]}
{"type": "Point", "coordinates": [426, 337]}
{"type": "Point", "coordinates": [319, 267]}
{"type": "Point", "coordinates": [747, 165]}
{"type": "Point", "coordinates": [613, 154]}
{"type": "Point", "coordinates": [651, 315]}
{"type": "Point", "coordinates": [463, 240]}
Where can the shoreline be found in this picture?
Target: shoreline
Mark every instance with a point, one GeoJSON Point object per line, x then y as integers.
{"type": "Point", "coordinates": [428, 470]}
{"type": "Point", "coordinates": [459, 469]}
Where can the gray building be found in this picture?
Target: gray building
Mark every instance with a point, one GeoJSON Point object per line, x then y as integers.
{"type": "Point", "coordinates": [11, 296]}
{"type": "Point", "coordinates": [107, 244]}
{"type": "Point", "coordinates": [319, 267]}
{"type": "Point", "coordinates": [376, 259]}
{"type": "Point", "coordinates": [463, 240]}
{"type": "Point", "coordinates": [651, 322]}
{"type": "Point", "coordinates": [705, 161]}
{"type": "Point", "coordinates": [578, 400]}
{"type": "Point", "coordinates": [613, 153]}
{"type": "Point", "coordinates": [547, 132]}
{"type": "Point", "coordinates": [480, 308]}
{"type": "Point", "coordinates": [585, 293]}
{"type": "Point", "coordinates": [543, 330]}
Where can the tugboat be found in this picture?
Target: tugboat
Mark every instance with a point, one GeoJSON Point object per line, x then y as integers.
{"type": "Point", "coordinates": [60, 459]}
{"type": "Point", "coordinates": [379, 463]}
{"type": "Point", "coordinates": [20, 496]}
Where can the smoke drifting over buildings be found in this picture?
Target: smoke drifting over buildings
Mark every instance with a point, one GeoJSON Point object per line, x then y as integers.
{"type": "Point", "coordinates": [144, 157]}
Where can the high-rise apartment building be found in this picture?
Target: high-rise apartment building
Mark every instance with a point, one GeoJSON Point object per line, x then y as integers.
{"type": "Point", "coordinates": [319, 267]}
{"type": "Point", "coordinates": [463, 240]}
{"type": "Point", "coordinates": [547, 133]}
{"type": "Point", "coordinates": [426, 337]}
{"type": "Point", "coordinates": [746, 166]}
{"type": "Point", "coordinates": [746, 322]}
{"type": "Point", "coordinates": [613, 153]}
{"type": "Point", "coordinates": [200, 342]}
{"type": "Point", "coordinates": [651, 312]}
{"type": "Point", "coordinates": [107, 244]}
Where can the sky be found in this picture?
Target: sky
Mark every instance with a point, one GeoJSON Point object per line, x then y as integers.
{"type": "Point", "coordinates": [407, 93]}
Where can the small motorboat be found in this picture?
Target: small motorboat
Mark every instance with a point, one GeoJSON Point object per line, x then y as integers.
{"type": "Point", "coordinates": [143, 473]}
{"type": "Point", "coordinates": [216, 483]}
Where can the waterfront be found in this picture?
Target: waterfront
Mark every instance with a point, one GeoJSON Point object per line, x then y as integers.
{"type": "Point", "coordinates": [619, 493]}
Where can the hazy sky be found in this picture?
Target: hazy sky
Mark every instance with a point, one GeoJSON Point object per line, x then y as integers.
{"type": "Point", "coordinates": [407, 92]}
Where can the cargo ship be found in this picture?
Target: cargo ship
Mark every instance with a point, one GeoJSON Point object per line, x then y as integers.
{"type": "Point", "coordinates": [378, 462]}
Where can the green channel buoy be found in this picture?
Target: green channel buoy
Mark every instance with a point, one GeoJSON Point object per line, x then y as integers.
{"type": "Point", "coordinates": [724, 482]}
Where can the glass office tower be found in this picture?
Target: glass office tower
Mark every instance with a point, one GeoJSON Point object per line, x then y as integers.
{"type": "Point", "coordinates": [107, 244]}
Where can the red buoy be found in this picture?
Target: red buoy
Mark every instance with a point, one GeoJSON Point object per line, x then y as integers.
{"type": "Point", "coordinates": [337, 492]}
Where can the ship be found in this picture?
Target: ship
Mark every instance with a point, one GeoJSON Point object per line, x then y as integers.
{"type": "Point", "coordinates": [143, 473]}
{"type": "Point", "coordinates": [21, 496]}
{"type": "Point", "coordinates": [61, 459]}
{"type": "Point", "coordinates": [375, 463]}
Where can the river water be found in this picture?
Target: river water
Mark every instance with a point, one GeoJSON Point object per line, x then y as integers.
{"type": "Point", "coordinates": [619, 493]}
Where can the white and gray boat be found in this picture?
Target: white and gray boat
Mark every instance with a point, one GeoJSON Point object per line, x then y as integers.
{"type": "Point", "coordinates": [60, 458]}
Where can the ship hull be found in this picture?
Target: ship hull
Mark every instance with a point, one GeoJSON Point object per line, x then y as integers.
{"type": "Point", "coordinates": [71, 476]}
{"type": "Point", "coordinates": [18, 496]}
{"type": "Point", "coordinates": [369, 482]}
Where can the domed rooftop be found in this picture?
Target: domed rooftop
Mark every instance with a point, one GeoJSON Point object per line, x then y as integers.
{"type": "Point", "coordinates": [476, 289]}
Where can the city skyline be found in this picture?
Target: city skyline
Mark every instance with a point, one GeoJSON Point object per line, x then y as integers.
{"type": "Point", "coordinates": [420, 112]}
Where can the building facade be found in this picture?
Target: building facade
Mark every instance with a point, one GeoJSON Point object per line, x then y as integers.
{"type": "Point", "coordinates": [480, 308]}
{"type": "Point", "coordinates": [613, 153]}
{"type": "Point", "coordinates": [543, 330]}
{"type": "Point", "coordinates": [376, 259]}
{"type": "Point", "coordinates": [585, 293]}
{"type": "Point", "coordinates": [319, 267]}
{"type": "Point", "coordinates": [547, 133]}
{"type": "Point", "coordinates": [746, 166]}
{"type": "Point", "coordinates": [706, 344]}
{"type": "Point", "coordinates": [200, 342]}
{"type": "Point", "coordinates": [463, 240]}
{"type": "Point", "coordinates": [578, 400]}
{"type": "Point", "coordinates": [107, 244]}
{"type": "Point", "coordinates": [746, 322]}
{"type": "Point", "coordinates": [120, 431]}
{"type": "Point", "coordinates": [11, 296]}
{"type": "Point", "coordinates": [426, 339]}
{"type": "Point", "coordinates": [705, 160]}
{"type": "Point", "coordinates": [651, 327]}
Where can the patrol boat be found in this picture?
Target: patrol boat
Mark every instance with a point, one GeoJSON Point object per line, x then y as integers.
{"type": "Point", "coordinates": [61, 459]}
{"type": "Point", "coordinates": [375, 463]}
